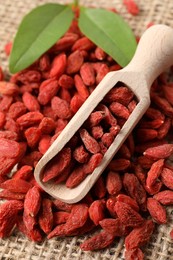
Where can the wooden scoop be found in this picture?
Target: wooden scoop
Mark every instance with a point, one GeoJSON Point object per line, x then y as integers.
{"type": "Point", "coordinates": [153, 55]}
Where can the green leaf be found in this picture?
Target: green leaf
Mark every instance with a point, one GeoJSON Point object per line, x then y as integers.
{"type": "Point", "coordinates": [38, 31]}
{"type": "Point", "coordinates": [110, 32]}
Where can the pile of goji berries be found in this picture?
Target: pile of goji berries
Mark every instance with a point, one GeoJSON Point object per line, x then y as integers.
{"type": "Point", "coordinates": [134, 190]}
{"type": "Point", "coordinates": [85, 150]}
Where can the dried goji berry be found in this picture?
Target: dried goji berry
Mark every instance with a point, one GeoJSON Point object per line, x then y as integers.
{"type": "Point", "coordinates": [76, 102]}
{"type": "Point", "coordinates": [119, 94]}
{"type": "Point", "coordinates": [113, 226]}
{"type": "Point", "coordinates": [31, 159]}
{"type": "Point", "coordinates": [167, 90]}
{"type": "Point", "coordinates": [47, 125]}
{"type": "Point", "coordinates": [62, 206]}
{"type": "Point", "coordinates": [32, 201]}
{"type": "Point", "coordinates": [65, 81]}
{"type": "Point", "coordinates": [155, 124]}
{"type": "Point", "coordinates": [154, 113]}
{"type": "Point", "coordinates": [140, 148]}
{"type": "Point", "coordinates": [163, 104]}
{"type": "Point", "coordinates": [135, 253]}
{"type": "Point", "coordinates": [140, 174]}
{"type": "Point", "coordinates": [34, 234]}
{"type": "Point", "coordinates": [46, 218]}
{"type": "Point", "coordinates": [23, 173]}
{"type": "Point", "coordinates": [8, 88]}
{"type": "Point", "coordinates": [1, 74]}
{"type": "Point", "coordinates": [119, 110]}
{"type": "Point", "coordinates": [159, 152]}
{"type": "Point", "coordinates": [44, 62]}
{"type": "Point", "coordinates": [135, 189]}
{"type": "Point", "coordinates": [145, 134]}
{"type": "Point", "coordinates": [153, 175]}
{"type": "Point", "coordinates": [29, 221]}
{"type": "Point", "coordinates": [119, 164]}
{"type": "Point", "coordinates": [3, 178]}
{"type": "Point", "coordinates": [58, 66]}
{"type": "Point", "coordinates": [8, 216]}
{"type": "Point", "coordinates": [47, 91]}
{"type": "Point", "coordinates": [61, 108]}
{"type": "Point", "coordinates": [145, 162]}
{"type": "Point", "coordinates": [171, 234]}
{"type": "Point", "coordinates": [87, 227]}
{"type": "Point", "coordinates": [108, 117]}
{"type": "Point", "coordinates": [90, 143]}
{"type": "Point", "coordinates": [132, 105]}
{"type": "Point", "coordinates": [167, 177]}
{"type": "Point", "coordinates": [32, 135]}
{"type": "Point", "coordinates": [165, 197]}
{"type": "Point", "coordinates": [139, 235]}
{"type": "Point", "coordinates": [156, 210]}
{"type": "Point", "coordinates": [60, 124]}
{"type": "Point", "coordinates": [113, 183]}
{"type": "Point", "coordinates": [9, 195]}
{"type": "Point", "coordinates": [164, 128]}
{"type": "Point", "coordinates": [65, 94]}
{"type": "Point", "coordinates": [80, 87]}
{"type": "Point", "coordinates": [100, 54]}
{"type": "Point", "coordinates": [124, 152]}
{"type": "Point", "coordinates": [9, 135]}
{"type": "Point", "coordinates": [97, 211]}
{"type": "Point", "coordinates": [114, 130]}
{"type": "Point", "coordinates": [93, 162]}
{"type": "Point", "coordinates": [5, 103]}
{"type": "Point", "coordinates": [44, 143]}
{"type": "Point", "coordinates": [57, 164]}
{"type": "Point", "coordinates": [16, 185]}
{"type": "Point", "coordinates": [78, 216]}
{"type": "Point", "coordinates": [88, 199]}
{"type": "Point", "coordinates": [60, 217]}
{"type": "Point", "coordinates": [16, 110]}
{"type": "Point", "coordinates": [30, 102]}
{"type": "Point", "coordinates": [128, 200]}
{"type": "Point", "coordinates": [30, 119]}
{"type": "Point", "coordinates": [101, 73]}
{"type": "Point", "coordinates": [77, 219]}
{"type": "Point", "coordinates": [80, 154]}
{"type": "Point", "coordinates": [97, 132]}
{"type": "Point", "coordinates": [28, 76]}
{"type": "Point", "coordinates": [74, 62]}
{"type": "Point", "coordinates": [107, 139]}
{"type": "Point", "coordinates": [75, 177]}
{"type": "Point", "coordinates": [64, 174]}
{"type": "Point", "coordinates": [131, 6]}
{"type": "Point", "coordinates": [127, 215]}
{"type": "Point", "coordinates": [2, 119]}
{"type": "Point", "coordinates": [87, 74]}
{"type": "Point", "coordinates": [95, 118]}
{"type": "Point", "coordinates": [65, 42]}
{"type": "Point", "coordinates": [11, 125]}
{"type": "Point", "coordinates": [110, 204]}
{"type": "Point", "coordinates": [83, 44]}
{"type": "Point", "coordinates": [99, 188]}
{"type": "Point", "coordinates": [98, 241]}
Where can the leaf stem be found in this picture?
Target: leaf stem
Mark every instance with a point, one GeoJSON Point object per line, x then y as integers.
{"type": "Point", "coordinates": [76, 3]}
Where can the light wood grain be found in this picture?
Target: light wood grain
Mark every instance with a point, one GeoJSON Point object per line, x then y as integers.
{"type": "Point", "coordinates": [153, 55]}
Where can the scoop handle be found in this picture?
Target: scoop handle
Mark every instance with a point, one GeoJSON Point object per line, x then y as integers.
{"type": "Point", "coordinates": [154, 53]}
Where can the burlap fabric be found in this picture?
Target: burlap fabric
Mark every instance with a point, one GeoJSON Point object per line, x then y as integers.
{"type": "Point", "coordinates": [17, 246]}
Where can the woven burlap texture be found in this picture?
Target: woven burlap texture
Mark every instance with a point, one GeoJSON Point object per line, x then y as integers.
{"type": "Point", "coordinates": [18, 246]}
